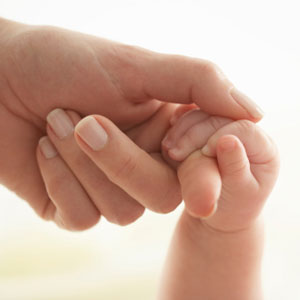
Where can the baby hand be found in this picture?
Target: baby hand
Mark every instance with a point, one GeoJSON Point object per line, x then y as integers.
{"type": "Point", "coordinates": [228, 168]}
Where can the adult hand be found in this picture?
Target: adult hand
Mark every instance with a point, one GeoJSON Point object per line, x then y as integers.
{"type": "Point", "coordinates": [43, 67]}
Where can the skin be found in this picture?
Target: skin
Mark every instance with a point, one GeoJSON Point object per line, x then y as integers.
{"type": "Point", "coordinates": [218, 241]}
{"type": "Point", "coordinates": [217, 245]}
{"type": "Point", "coordinates": [43, 67]}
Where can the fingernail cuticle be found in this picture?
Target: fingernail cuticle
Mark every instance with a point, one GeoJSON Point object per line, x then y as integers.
{"type": "Point", "coordinates": [92, 133]}
{"type": "Point", "coordinates": [47, 148]}
{"type": "Point", "coordinates": [60, 123]}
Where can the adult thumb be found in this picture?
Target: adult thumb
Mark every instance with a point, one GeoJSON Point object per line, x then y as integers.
{"type": "Point", "coordinates": [149, 181]}
{"type": "Point", "coordinates": [181, 79]}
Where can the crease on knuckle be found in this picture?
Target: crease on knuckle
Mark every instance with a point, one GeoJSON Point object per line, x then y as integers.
{"type": "Point", "coordinates": [188, 138]}
{"type": "Point", "coordinates": [126, 169]}
{"type": "Point", "coordinates": [247, 126]}
{"type": "Point", "coordinates": [56, 185]}
{"type": "Point", "coordinates": [219, 122]}
{"type": "Point", "coordinates": [210, 68]}
{"type": "Point", "coordinates": [238, 167]}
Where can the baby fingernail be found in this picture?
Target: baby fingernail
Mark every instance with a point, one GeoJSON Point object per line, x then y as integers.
{"type": "Point", "coordinates": [47, 148]}
{"type": "Point", "coordinates": [228, 145]}
{"type": "Point", "coordinates": [253, 109]}
{"type": "Point", "coordinates": [60, 123]}
{"type": "Point", "coordinates": [92, 133]}
{"type": "Point", "coordinates": [174, 153]}
{"type": "Point", "coordinates": [206, 150]}
{"type": "Point", "coordinates": [167, 142]}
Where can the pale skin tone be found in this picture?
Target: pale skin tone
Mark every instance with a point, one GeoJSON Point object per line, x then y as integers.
{"type": "Point", "coordinates": [216, 251]}
{"type": "Point", "coordinates": [42, 68]}
{"type": "Point", "coordinates": [218, 242]}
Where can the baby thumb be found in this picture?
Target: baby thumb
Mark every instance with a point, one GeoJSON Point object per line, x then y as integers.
{"type": "Point", "coordinates": [233, 161]}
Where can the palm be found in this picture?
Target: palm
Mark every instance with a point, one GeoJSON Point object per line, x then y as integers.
{"type": "Point", "coordinates": [54, 68]}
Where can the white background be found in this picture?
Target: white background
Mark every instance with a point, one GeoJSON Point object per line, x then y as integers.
{"type": "Point", "coordinates": [256, 43]}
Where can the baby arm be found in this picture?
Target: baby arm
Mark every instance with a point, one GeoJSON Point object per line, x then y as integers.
{"type": "Point", "coordinates": [217, 245]}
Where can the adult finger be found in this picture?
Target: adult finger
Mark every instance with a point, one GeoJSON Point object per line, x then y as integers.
{"type": "Point", "coordinates": [151, 182]}
{"type": "Point", "coordinates": [180, 79]}
{"type": "Point", "coordinates": [114, 204]}
{"type": "Point", "coordinates": [73, 208]}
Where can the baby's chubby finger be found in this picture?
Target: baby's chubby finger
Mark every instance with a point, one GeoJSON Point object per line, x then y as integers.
{"type": "Point", "coordinates": [200, 184]}
{"type": "Point", "coordinates": [232, 160]}
{"type": "Point", "coordinates": [261, 151]}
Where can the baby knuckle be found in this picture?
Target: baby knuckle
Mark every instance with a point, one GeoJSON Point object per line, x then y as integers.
{"type": "Point", "coordinates": [217, 122]}
{"type": "Point", "coordinates": [237, 167]}
{"type": "Point", "coordinates": [246, 126]}
{"type": "Point", "coordinates": [189, 137]}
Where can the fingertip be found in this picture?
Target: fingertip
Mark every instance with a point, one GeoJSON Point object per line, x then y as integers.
{"type": "Point", "coordinates": [227, 143]}
{"type": "Point", "coordinates": [205, 206]}
{"type": "Point", "coordinates": [46, 148]}
{"type": "Point", "coordinates": [76, 223]}
{"type": "Point", "coordinates": [232, 158]}
{"type": "Point", "coordinates": [176, 154]}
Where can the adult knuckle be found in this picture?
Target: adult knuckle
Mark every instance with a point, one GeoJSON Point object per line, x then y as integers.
{"type": "Point", "coordinates": [210, 68]}
{"type": "Point", "coordinates": [126, 169]}
{"type": "Point", "coordinates": [83, 224]}
{"type": "Point", "coordinates": [55, 186]}
{"type": "Point", "coordinates": [171, 199]}
{"type": "Point", "coordinates": [74, 223]}
{"type": "Point", "coordinates": [129, 218]}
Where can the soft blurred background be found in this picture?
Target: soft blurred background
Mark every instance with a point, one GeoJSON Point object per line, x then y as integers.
{"type": "Point", "coordinates": [256, 43]}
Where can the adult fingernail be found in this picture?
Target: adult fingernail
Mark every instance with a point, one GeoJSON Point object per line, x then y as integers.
{"type": "Point", "coordinates": [47, 148]}
{"type": "Point", "coordinates": [253, 109]}
{"type": "Point", "coordinates": [167, 142]}
{"type": "Point", "coordinates": [92, 133]}
{"type": "Point", "coordinates": [60, 123]}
